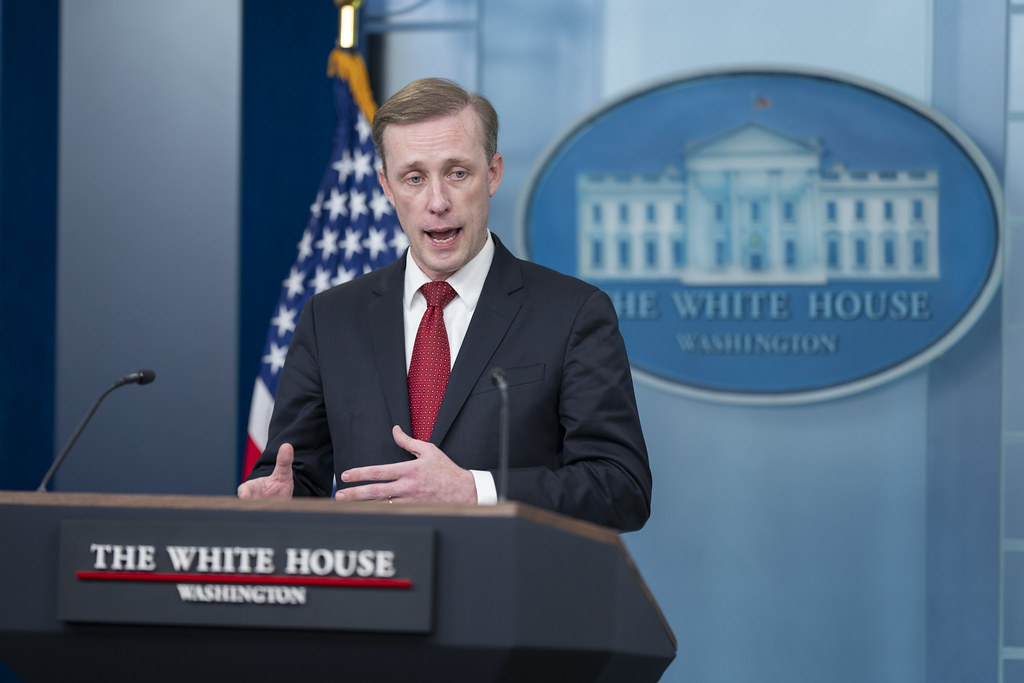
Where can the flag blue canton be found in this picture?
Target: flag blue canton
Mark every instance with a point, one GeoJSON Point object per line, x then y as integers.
{"type": "Point", "coordinates": [352, 230]}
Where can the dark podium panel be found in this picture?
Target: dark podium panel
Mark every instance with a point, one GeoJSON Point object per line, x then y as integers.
{"type": "Point", "coordinates": [518, 594]}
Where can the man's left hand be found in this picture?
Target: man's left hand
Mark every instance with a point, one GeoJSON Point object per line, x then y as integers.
{"type": "Point", "coordinates": [431, 477]}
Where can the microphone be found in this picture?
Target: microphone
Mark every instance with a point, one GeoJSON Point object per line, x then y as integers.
{"type": "Point", "coordinates": [140, 377]}
{"type": "Point", "coordinates": [498, 377]}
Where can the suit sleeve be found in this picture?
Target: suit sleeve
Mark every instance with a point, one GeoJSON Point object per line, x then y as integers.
{"type": "Point", "coordinates": [605, 475]}
{"type": "Point", "coordinates": [299, 416]}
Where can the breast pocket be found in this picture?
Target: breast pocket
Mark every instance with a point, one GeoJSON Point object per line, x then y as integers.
{"type": "Point", "coordinates": [523, 374]}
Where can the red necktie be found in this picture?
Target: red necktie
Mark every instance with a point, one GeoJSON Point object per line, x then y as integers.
{"type": "Point", "coordinates": [431, 360]}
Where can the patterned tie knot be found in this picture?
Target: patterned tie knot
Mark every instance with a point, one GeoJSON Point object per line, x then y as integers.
{"type": "Point", "coordinates": [438, 293]}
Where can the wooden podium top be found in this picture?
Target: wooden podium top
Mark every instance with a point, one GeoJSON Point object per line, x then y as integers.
{"type": "Point", "coordinates": [316, 505]}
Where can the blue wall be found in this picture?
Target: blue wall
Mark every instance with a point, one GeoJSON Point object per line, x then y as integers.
{"type": "Point", "coordinates": [28, 236]}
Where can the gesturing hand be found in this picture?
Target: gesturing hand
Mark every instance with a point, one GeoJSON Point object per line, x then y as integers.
{"type": "Point", "coordinates": [432, 476]}
{"type": "Point", "coordinates": [279, 484]}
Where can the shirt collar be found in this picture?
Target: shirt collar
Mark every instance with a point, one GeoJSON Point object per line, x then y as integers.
{"type": "Point", "coordinates": [468, 281]}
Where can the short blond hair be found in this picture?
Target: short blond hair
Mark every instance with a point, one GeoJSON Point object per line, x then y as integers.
{"type": "Point", "coordinates": [428, 99]}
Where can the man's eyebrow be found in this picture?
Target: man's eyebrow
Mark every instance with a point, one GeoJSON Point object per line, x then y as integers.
{"type": "Point", "coordinates": [416, 164]}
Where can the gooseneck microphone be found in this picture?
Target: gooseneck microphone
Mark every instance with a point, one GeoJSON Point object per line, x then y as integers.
{"type": "Point", "coordinates": [140, 377]}
{"type": "Point", "coordinates": [498, 377]}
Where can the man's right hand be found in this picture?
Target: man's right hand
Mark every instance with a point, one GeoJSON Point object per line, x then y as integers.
{"type": "Point", "coordinates": [279, 484]}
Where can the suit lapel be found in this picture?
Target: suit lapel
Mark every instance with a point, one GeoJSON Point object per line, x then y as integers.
{"type": "Point", "coordinates": [387, 335]}
{"type": "Point", "coordinates": [499, 304]}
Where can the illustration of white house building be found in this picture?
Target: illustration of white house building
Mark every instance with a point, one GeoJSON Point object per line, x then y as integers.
{"type": "Point", "coordinates": [754, 205]}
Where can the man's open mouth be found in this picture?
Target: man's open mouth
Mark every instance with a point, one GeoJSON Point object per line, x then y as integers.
{"type": "Point", "coordinates": [443, 236]}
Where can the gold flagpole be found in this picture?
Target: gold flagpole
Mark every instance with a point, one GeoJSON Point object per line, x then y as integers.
{"type": "Point", "coordinates": [346, 63]}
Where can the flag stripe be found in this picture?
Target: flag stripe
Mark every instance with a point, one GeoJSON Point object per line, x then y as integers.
{"type": "Point", "coordinates": [259, 414]}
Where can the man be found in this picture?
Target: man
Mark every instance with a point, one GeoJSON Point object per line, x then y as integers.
{"type": "Point", "coordinates": [356, 357]}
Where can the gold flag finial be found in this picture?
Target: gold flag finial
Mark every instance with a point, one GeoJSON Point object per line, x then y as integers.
{"type": "Point", "coordinates": [348, 15]}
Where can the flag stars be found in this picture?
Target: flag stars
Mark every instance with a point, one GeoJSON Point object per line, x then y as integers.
{"type": "Point", "coordinates": [305, 245]}
{"type": "Point", "coordinates": [344, 166]}
{"type": "Point", "coordinates": [328, 244]}
{"type": "Point", "coordinates": [275, 359]}
{"type": "Point", "coordinates": [314, 208]}
{"type": "Point", "coordinates": [376, 242]}
{"type": "Point", "coordinates": [399, 242]}
{"type": "Point", "coordinates": [336, 204]}
{"type": "Point", "coordinates": [321, 281]}
{"type": "Point", "coordinates": [357, 204]}
{"type": "Point", "coordinates": [284, 321]}
{"type": "Point", "coordinates": [344, 275]}
{"type": "Point", "coordinates": [363, 165]}
{"type": "Point", "coordinates": [351, 245]}
{"type": "Point", "coordinates": [293, 283]}
{"type": "Point", "coordinates": [379, 205]}
{"type": "Point", "coordinates": [363, 128]}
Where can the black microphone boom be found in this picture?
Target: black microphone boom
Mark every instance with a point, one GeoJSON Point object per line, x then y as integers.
{"type": "Point", "coordinates": [140, 377]}
{"type": "Point", "coordinates": [498, 377]}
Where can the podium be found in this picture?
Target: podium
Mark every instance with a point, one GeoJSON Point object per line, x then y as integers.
{"type": "Point", "coordinates": [98, 587]}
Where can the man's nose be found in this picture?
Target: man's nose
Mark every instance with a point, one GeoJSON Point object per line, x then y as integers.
{"type": "Point", "coordinates": [439, 201]}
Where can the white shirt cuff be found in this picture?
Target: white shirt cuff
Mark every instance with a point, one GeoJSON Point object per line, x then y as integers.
{"type": "Point", "coordinates": [486, 493]}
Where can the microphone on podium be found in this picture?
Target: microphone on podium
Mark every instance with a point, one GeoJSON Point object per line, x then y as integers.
{"type": "Point", "coordinates": [139, 377]}
{"type": "Point", "coordinates": [498, 377]}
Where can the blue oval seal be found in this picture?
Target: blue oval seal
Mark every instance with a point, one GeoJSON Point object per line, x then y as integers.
{"type": "Point", "coordinates": [771, 235]}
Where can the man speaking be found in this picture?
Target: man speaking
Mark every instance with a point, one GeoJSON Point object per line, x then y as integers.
{"type": "Point", "coordinates": [388, 381]}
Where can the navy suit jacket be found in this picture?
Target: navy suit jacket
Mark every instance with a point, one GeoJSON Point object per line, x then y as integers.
{"type": "Point", "coordinates": [576, 445]}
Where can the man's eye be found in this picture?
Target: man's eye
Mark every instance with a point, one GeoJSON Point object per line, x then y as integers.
{"type": "Point", "coordinates": [414, 179]}
{"type": "Point", "coordinates": [459, 174]}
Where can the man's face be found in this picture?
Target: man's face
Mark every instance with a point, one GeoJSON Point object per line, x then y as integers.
{"type": "Point", "coordinates": [440, 182]}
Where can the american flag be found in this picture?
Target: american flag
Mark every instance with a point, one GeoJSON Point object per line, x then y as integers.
{"type": "Point", "coordinates": [352, 229]}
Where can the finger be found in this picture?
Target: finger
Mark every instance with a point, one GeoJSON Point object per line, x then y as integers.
{"type": "Point", "coordinates": [283, 465]}
{"type": "Point", "coordinates": [400, 437]}
{"type": "Point", "coordinates": [407, 443]}
{"type": "Point", "coordinates": [373, 473]}
{"type": "Point", "coordinates": [365, 492]}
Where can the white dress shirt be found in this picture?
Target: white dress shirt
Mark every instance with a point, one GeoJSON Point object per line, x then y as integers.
{"type": "Point", "coordinates": [467, 282]}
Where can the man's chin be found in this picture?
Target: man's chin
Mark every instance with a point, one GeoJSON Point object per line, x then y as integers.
{"type": "Point", "coordinates": [439, 267]}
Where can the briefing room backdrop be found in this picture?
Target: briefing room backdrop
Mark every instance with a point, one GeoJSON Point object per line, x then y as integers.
{"type": "Point", "coordinates": [158, 162]}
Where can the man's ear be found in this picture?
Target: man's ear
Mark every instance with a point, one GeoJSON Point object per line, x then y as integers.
{"type": "Point", "coordinates": [494, 173]}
